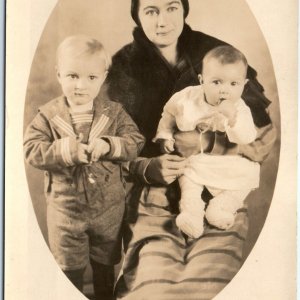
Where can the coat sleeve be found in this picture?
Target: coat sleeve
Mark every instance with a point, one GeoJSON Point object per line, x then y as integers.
{"type": "Point", "coordinates": [256, 100]}
{"type": "Point", "coordinates": [44, 152]}
{"type": "Point", "coordinates": [128, 142]}
{"type": "Point", "coordinates": [262, 146]}
{"type": "Point", "coordinates": [258, 103]}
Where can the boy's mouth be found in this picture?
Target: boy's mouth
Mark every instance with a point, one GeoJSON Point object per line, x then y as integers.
{"type": "Point", "coordinates": [79, 94]}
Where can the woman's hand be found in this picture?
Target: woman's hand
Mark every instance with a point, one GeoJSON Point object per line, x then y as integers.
{"type": "Point", "coordinates": [188, 143]}
{"type": "Point", "coordinates": [165, 169]}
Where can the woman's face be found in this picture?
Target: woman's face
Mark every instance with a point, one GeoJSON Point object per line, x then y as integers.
{"type": "Point", "coordinates": [162, 21]}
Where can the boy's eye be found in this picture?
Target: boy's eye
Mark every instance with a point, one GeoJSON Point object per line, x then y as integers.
{"type": "Point", "coordinates": [73, 76]}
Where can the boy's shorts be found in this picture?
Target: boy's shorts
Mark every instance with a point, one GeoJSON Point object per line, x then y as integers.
{"type": "Point", "coordinates": [76, 236]}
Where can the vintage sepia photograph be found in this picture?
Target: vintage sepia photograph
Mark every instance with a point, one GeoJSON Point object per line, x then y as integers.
{"type": "Point", "coordinates": [154, 150]}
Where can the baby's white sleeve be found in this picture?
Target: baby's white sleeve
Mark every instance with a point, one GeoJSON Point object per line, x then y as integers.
{"type": "Point", "coordinates": [244, 131]}
{"type": "Point", "coordinates": [167, 123]}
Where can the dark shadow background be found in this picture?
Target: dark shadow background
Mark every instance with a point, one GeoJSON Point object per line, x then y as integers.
{"type": "Point", "coordinates": [110, 22]}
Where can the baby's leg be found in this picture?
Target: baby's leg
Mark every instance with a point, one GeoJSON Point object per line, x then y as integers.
{"type": "Point", "coordinates": [222, 208]}
{"type": "Point", "coordinates": [190, 220]}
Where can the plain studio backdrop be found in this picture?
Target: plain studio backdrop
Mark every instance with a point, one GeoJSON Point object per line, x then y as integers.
{"type": "Point", "coordinates": [110, 22]}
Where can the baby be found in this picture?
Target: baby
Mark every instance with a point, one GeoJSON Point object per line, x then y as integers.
{"type": "Point", "coordinates": [80, 139]}
{"type": "Point", "coordinates": [215, 105]}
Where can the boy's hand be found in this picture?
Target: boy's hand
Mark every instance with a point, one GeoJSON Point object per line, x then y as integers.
{"type": "Point", "coordinates": [82, 155]}
{"type": "Point", "coordinates": [98, 148]}
{"type": "Point", "coordinates": [228, 109]}
{"type": "Point", "coordinates": [167, 146]}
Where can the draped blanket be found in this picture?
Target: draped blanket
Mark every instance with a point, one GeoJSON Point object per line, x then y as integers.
{"type": "Point", "coordinates": [161, 263]}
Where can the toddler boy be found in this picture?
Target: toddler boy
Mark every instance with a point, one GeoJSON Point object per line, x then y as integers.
{"type": "Point", "coordinates": [80, 139]}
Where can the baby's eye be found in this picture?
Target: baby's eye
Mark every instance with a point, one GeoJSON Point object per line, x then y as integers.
{"type": "Point", "coordinates": [93, 77]}
{"type": "Point", "coordinates": [216, 82]}
{"type": "Point", "coordinates": [234, 83]}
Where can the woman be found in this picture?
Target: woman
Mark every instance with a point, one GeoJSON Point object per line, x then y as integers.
{"type": "Point", "coordinates": [165, 57]}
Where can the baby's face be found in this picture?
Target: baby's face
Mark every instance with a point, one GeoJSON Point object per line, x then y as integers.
{"type": "Point", "coordinates": [222, 81]}
{"type": "Point", "coordinates": [81, 77]}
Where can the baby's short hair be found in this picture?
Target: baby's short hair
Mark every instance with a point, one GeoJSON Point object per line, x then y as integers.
{"type": "Point", "coordinates": [226, 55]}
{"type": "Point", "coordinates": [77, 45]}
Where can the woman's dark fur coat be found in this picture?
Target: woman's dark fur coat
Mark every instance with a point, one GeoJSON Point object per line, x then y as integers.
{"type": "Point", "coordinates": [143, 81]}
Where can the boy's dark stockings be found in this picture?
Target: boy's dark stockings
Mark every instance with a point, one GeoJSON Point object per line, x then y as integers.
{"type": "Point", "coordinates": [76, 277]}
{"type": "Point", "coordinates": [103, 279]}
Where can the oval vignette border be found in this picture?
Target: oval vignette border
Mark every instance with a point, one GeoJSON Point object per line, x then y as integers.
{"type": "Point", "coordinates": [287, 110]}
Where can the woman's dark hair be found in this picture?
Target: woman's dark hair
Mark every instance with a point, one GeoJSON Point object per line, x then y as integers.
{"type": "Point", "coordinates": [135, 9]}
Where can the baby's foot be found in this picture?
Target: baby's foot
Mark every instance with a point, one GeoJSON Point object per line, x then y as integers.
{"type": "Point", "coordinates": [219, 213]}
{"type": "Point", "coordinates": [219, 218]}
{"type": "Point", "coordinates": [190, 224]}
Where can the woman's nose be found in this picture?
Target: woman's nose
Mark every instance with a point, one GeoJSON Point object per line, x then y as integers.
{"type": "Point", "coordinates": [162, 19]}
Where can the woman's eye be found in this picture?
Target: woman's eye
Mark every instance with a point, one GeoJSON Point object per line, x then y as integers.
{"type": "Point", "coordinates": [151, 12]}
{"type": "Point", "coordinates": [172, 8]}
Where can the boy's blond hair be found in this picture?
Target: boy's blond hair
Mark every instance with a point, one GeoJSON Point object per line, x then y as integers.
{"type": "Point", "coordinates": [77, 45]}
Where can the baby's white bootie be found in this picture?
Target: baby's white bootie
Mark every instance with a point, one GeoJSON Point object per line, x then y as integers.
{"type": "Point", "coordinates": [221, 211]}
{"type": "Point", "coordinates": [190, 220]}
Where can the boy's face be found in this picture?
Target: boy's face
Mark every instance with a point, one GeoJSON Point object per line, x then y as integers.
{"type": "Point", "coordinates": [222, 81]}
{"type": "Point", "coordinates": [81, 77]}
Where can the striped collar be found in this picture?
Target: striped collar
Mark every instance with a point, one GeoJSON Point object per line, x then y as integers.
{"type": "Point", "coordinates": [61, 118]}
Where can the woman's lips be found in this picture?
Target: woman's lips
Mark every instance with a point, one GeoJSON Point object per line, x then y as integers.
{"type": "Point", "coordinates": [164, 33]}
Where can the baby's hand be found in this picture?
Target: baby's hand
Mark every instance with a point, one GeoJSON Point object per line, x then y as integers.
{"type": "Point", "coordinates": [229, 110]}
{"type": "Point", "coordinates": [167, 146]}
{"type": "Point", "coordinates": [98, 148]}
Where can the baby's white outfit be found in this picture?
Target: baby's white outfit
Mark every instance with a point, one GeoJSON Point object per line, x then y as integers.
{"type": "Point", "coordinates": [229, 178]}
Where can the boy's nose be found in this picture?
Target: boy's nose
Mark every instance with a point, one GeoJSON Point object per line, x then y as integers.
{"type": "Point", "coordinates": [80, 84]}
